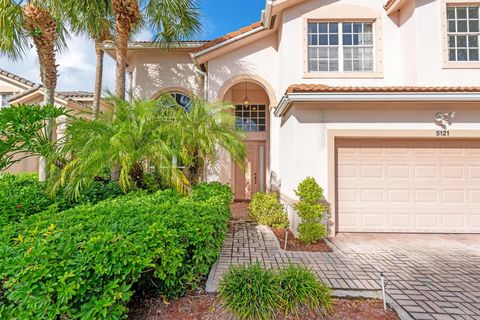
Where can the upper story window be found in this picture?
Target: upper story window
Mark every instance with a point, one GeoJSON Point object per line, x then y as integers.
{"type": "Point", "coordinates": [183, 100]}
{"type": "Point", "coordinates": [341, 47]}
{"type": "Point", "coordinates": [250, 118]}
{"type": "Point", "coordinates": [4, 99]}
{"type": "Point", "coordinates": [463, 33]}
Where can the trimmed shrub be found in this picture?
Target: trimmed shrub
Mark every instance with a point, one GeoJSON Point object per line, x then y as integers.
{"type": "Point", "coordinates": [23, 195]}
{"type": "Point", "coordinates": [88, 261]}
{"type": "Point", "coordinates": [250, 292]}
{"type": "Point", "coordinates": [298, 286]}
{"type": "Point", "coordinates": [253, 292]}
{"type": "Point", "coordinates": [266, 209]}
{"type": "Point", "coordinates": [311, 211]}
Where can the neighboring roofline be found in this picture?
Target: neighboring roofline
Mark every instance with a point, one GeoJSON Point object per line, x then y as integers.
{"type": "Point", "coordinates": [16, 78]}
{"type": "Point", "coordinates": [379, 94]}
{"type": "Point", "coordinates": [58, 95]}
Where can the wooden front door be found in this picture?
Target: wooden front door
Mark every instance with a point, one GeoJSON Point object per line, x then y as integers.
{"type": "Point", "coordinates": [251, 180]}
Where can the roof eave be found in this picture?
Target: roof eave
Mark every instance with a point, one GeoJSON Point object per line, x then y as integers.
{"type": "Point", "coordinates": [290, 98]}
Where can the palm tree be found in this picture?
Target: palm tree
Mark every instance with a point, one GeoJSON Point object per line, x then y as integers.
{"type": "Point", "coordinates": [205, 128]}
{"type": "Point", "coordinates": [39, 22]}
{"type": "Point", "coordinates": [133, 134]}
{"type": "Point", "coordinates": [170, 21]}
{"type": "Point", "coordinates": [93, 18]}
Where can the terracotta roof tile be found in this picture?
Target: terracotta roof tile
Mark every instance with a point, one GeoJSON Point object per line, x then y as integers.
{"type": "Point", "coordinates": [17, 78]}
{"type": "Point", "coordinates": [319, 88]}
{"type": "Point", "coordinates": [228, 36]}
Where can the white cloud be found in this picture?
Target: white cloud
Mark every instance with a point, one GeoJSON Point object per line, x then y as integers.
{"type": "Point", "coordinates": [76, 66]}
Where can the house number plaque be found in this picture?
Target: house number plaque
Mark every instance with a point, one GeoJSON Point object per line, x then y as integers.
{"type": "Point", "coordinates": [444, 120]}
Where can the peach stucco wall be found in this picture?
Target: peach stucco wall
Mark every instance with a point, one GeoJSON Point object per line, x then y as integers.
{"type": "Point", "coordinates": [411, 42]}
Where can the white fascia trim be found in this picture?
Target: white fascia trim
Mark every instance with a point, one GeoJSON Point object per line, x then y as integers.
{"type": "Point", "coordinates": [224, 43]}
{"type": "Point", "coordinates": [288, 99]}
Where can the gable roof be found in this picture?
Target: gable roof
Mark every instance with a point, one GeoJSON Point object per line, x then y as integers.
{"type": "Point", "coordinates": [8, 75]}
{"type": "Point", "coordinates": [73, 96]}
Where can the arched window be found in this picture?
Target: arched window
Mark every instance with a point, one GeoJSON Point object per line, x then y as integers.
{"type": "Point", "coordinates": [183, 100]}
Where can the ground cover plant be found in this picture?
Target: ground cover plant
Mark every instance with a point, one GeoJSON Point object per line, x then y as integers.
{"type": "Point", "coordinates": [23, 195]}
{"type": "Point", "coordinates": [253, 292]}
{"type": "Point", "coordinates": [88, 261]}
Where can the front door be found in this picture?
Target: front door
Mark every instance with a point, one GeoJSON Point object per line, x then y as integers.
{"type": "Point", "coordinates": [251, 180]}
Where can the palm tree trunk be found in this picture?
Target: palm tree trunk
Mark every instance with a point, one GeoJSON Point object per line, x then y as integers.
{"type": "Point", "coordinates": [121, 47]}
{"type": "Point", "coordinates": [127, 14]}
{"type": "Point", "coordinates": [43, 28]}
{"type": "Point", "coordinates": [97, 92]}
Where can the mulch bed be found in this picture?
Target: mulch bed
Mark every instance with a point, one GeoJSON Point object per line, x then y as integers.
{"type": "Point", "coordinates": [294, 244]}
{"type": "Point", "coordinates": [208, 307]}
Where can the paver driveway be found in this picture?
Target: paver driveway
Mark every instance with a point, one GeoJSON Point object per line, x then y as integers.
{"type": "Point", "coordinates": [429, 276]}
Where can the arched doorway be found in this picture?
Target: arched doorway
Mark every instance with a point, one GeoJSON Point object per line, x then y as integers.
{"type": "Point", "coordinates": [252, 106]}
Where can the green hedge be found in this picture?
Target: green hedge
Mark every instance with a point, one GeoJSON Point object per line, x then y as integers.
{"type": "Point", "coordinates": [23, 195]}
{"type": "Point", "coordinates": [88, 261]}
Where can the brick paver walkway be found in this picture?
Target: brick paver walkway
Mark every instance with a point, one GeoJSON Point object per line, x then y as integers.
{"type": "Point", "coordinates": [429, 276]}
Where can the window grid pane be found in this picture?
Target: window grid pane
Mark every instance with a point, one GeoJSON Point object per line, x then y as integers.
{"type": "Point", "coordinates": [358, 46]}
{"type": "Point", "coordinates": [463, 33]}
{"type": "Point", "coordinates": [250, 118]}
{"type": "Point", "coordinates": [344, 47]}
{"type": "Point", "coordinates": [323, 43]}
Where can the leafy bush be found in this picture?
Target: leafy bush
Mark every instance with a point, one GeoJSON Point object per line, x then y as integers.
{"type": "Point", "coordinates": [266, 209]}
{"type": "Point", "coordinates": [311, 211]}
{"type": "Point", "coordinates": [298, 286]}
{"type": "Point", "coordinates": [87, 262]}
{"type": "Point", "coordinates": [252, 292]}
{"type": "Point", "coordinates": [23, 195]}
{"type": "Point", "coordinates": [20, 196]}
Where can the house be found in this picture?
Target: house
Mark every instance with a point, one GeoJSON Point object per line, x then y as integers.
{"type": "Point", "coordinates": [378, 101]}
{"type": "Point", "coordinates": [15, 90]}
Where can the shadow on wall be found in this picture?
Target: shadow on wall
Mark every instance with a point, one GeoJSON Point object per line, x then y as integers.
{"type": "Point", "coordinates": [153, 75]}
{"type": "Point", "coordinates": [381, 112]}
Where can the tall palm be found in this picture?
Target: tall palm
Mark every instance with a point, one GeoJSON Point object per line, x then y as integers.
{"type": "Point", "coordinates": [95, 19]}
{"type": "Point", "coordinates": [205, 128]}
{"type": "Point", "coordinates": [40, 22]}
{"type": "Point", "coordinates": [170, 21]}
{"type": "Point", "coordinates": [137, 133]}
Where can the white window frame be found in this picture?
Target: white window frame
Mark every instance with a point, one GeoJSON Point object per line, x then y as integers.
{"type": "Point", "coordinates": [340, 46]}
{"type": "Point", "coordinates": [6, 96]}
{"type": "Point", "coordinates": [467, 33]}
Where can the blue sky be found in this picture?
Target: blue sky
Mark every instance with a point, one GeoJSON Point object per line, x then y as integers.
{"type": "Point", "coordinates": [223, 16]}
{"type": "Point", "coordinates": [77, 65]}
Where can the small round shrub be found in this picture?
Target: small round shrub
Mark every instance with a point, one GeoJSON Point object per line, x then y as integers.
{"type": "Point", "coordinates": [299, 286]}
{"type": "Point", "coordinates": [266, 209]}
{"type": "Point", "coordinates": [310, 209]}
{"type": "Point", "coordinates": [251, 292]}
{"type": "Point", "coordinates": [311, 232]}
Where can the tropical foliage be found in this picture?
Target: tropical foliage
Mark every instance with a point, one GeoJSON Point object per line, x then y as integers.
{"type": "Point", "coordinates": [87, 262]}
{"type": "Point", "coordinates": [41, 23]}
{"type": "Point", "coordinates": [22, 195]}
{"type": "Point", "coordinates": [169, 21]}
{"type": "Point", "coordinates": [23, 133]}
{"type": "Point", "coordinates": [311, 211]}
{"type": "Point", "coordinates": [145, 136]}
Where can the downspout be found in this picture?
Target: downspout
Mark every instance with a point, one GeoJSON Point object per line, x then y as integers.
{"type": "Point", "coordinates": [204, 76]}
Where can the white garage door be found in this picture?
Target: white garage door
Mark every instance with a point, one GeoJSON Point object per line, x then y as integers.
{"type": "Point", "coordinates": [408, 186]}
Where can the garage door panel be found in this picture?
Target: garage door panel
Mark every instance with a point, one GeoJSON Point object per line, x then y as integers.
{"type": "Point", "coordinates": [408, 186]}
